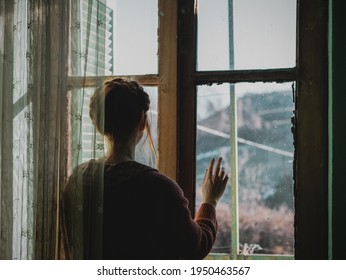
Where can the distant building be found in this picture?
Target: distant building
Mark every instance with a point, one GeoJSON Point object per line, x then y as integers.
{"type": "Point", "coordinates": [92, 38]}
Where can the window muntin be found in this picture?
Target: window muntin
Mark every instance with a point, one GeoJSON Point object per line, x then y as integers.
{"type": "Point", "coordinates": [246, 34]}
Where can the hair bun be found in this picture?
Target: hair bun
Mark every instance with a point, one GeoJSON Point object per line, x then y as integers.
{"type": "Point", "coordinates": [117, 107]}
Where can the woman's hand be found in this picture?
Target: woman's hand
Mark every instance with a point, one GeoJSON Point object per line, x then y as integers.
{"type": "Point", "coordinates": [214, 183]}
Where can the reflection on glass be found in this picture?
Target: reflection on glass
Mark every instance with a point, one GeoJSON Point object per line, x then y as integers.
{"type": "Point", "coordinates": [246, 34]}
{"type": "Point", "coordinates": [265, 164]}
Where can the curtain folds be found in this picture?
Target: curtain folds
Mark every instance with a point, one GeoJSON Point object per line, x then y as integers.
{"type": "Point", "coordinates": [90, 51]}
{"type": "Point", "coordinates": [45, 132]}
{"type": "Point", "coordinates": [33, 106]}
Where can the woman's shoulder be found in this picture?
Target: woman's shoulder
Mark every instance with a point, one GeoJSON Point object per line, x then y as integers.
{"type": "Point", "coordinates": [124, 171]}
{"type": "Point", "coordinates": [144, 173]}
{"type": "Point", "coordinates": [85, 166]}
{"type": "Point", "coordinates": [163, 183]}
{"type": "Point", "coordinates": [160, 177]}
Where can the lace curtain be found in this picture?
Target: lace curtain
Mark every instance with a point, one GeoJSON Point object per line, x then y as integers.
{"type": "Point", "coordinates": [47, 50]}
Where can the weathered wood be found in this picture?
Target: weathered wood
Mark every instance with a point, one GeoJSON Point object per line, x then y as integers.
{"type": "Point", "coordinates": [235, 76]}
{"type": "Point", "coordinates": [311, 224]}
{"type": "Point", "coordinates": [187, 99]}
{"type": "Point", "coordinates": [167, 119]}
{"type": "Point", "coordinates": [94, 81]}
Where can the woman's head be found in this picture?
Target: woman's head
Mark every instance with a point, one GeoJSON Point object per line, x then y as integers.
{"type": "Point", "coordinates": [125, 104]}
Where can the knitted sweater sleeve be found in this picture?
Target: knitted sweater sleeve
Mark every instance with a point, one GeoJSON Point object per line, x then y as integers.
{"type": "Point", "coordinates": [194, 237]}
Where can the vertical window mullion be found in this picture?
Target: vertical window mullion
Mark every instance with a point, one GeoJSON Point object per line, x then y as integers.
{"type": "Point", "coordinates": [233, 141]}
{"type": "Point", "coordinates": [187, 100]}
{"type": "Point", "coordinates": [234, 173]}
{"type": "Point", "coordinates": [311, 198]}
{"type": "Point", "coordinates": [167, 88]}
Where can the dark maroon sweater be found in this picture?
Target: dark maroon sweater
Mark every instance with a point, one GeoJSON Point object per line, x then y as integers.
{"type": "Point", "coordinates": [146, 216]}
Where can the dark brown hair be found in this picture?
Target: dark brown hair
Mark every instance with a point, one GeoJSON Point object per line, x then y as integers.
{"type": "Point", "coordinates": [116, 109]}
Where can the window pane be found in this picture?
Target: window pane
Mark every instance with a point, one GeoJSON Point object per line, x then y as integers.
{"type": "Point", "coordinates": [213, 140]}
{"type": "Point", "coordinates": [135, 36]}
{"type": "Point", "coordinates": [264, 166]}
{"type": "Point", "coordinates": [111, 37]}
{"type": "Point", "coordinates": [246, 34]}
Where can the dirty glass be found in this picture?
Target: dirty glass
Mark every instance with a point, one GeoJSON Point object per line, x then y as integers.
{"type": "Point", "coordinates": [213, 140]}
{"type": "Point", "coordinates": [261, 186]}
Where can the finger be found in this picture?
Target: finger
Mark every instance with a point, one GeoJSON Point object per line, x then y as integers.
{"type": "Point", "coordinates": [210, 168]}
{"type": "Point", "coordinates": [217, 168]}
{"type": "Point", "coordinates": [225, 179]}
{"type": "Point", "coordinates": [205, 175]}
{"type": "Point", "coordinates": [222, 172]}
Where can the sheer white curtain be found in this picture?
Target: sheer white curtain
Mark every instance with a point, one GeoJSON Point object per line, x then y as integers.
{"type": "Point", "coordinates": [43, 120]}
{"type": "Point", "coordinates": [91, 58]}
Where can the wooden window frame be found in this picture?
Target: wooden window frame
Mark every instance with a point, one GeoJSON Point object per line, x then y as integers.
{"type": "Point", "coordinates": [310, 138]}
{"type": "Point", "coordinates": [177, 80]}
{"type": "Point", "coordinates": [165, 80]}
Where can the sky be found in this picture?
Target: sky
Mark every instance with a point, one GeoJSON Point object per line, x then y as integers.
{"type": "Point", "coordinates": [135, 36]}
{"type": "Point", "coordinates": [264, 34]}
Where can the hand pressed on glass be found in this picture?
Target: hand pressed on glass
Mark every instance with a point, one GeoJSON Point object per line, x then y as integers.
{"type": "Point", "coordinates": [214, 182]}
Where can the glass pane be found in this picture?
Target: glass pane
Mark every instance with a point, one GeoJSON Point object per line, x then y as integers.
{"type": "Point", "coordinates": [246, 34]}
{"type": "Point", "coordinates": [135, 36]}
{"type": "Point", "coordinates": [264, 166]}
{"type": "Point", "coordinates": [114, 37]}
{"type": "Point", "coordinates": [213, 140]}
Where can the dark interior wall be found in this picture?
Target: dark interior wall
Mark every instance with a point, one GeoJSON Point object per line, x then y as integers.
{"type": "Point", "coordinates": [337, 119]}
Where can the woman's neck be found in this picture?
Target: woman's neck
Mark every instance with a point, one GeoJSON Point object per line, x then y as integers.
{"type": "Point", "coordinates": [120, 152]}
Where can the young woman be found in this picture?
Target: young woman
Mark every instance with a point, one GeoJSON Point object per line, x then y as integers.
{"type": "Point", "coordinates": [137, 213]}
